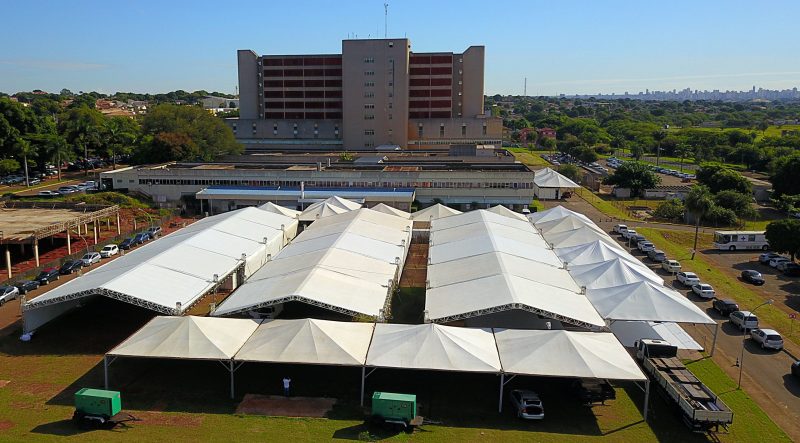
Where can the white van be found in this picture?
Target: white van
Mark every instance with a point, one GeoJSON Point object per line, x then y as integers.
{"type": "Point", "coordinates": [620, 229]}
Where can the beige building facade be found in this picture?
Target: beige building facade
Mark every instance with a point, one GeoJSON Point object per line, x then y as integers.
{"type": "Point", "coordinates": [377, 94]}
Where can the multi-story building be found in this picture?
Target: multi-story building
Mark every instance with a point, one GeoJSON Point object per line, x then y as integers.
{"type": "Point", "coordinates": [376, 94]}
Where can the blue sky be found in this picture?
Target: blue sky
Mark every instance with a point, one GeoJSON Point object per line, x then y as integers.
{"type": "Point", "coordinates": [560, 46]}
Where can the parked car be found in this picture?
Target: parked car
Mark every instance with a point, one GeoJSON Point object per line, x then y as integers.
{"type": "Point", "coordinates": [620, 229]}
{"type": "Point", "coordinates": [527, 403]}
{"type": "Point", "coordinates": [69, 189]}
{"type": "Point", "coordinates": [744, 320]}
{"type": "Point", "coordinates": [688, 278]}
{"type": "Point", "coordinates": [791, 270]}
{"type": "Point", "coordinates": [635, 239]}
{"type": "Point", "coordinates": [141, 238]}
{"type": "Point", "coordinates": [154, 231]}
{"type": "Point", "coordinates": [767, 338]}
{"type": "Point", "coordinates": [704, 290]}
{"type": "Point", "coordinates": [48, 275]}
{"type": "Point", "coordinates": [796, 369]}
{"type": "Point", "coordinates": [671, 266]}
{"type": "Point", "coordinates": [48, 194]}
{"type": "Point", "coordinates": [26, 286]}
{"type": "Point", "coordinates": [127, 243]}
{"type": "Point", "coordinates": [657, 255]}
{"type": "Point", "coordinates": [90, 258]}
{"type": "Point", "coordinates": [628, 233]}
{"type": "Point", "coordinates": [109, 250]}
{"type": "Point", "coordinates": [645, 246]}
{"type": "Point", "coordinates": [766, 257]}
{"type": "Point", "coordinates": [783, 264]}
{"type": "Point", "coordinates": [753, 277]}
{"type": "Point", "coordinates": [70, 266]}
{"type": "Point", "coordinates": [8, 293]}
{"type": "Point", "coordinates": [725, 307]}
{"type": "Point", "coordinates": [774, 262]}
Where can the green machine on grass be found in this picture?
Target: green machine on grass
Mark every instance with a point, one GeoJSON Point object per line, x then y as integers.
{"type": "Point", "coordinates": [395, 409]}
{"type": "Point", "coordinates": [98, 407]}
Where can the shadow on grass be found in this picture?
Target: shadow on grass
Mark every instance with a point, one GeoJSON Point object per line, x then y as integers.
{"type": "Point", "coordinates": [664, 419]}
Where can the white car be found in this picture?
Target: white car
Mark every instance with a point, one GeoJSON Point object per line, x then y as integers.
{"type": "Point", "coordinates": [671, 266]}
{"type": "Point", "coordinates": [48, 194]}
{"type": "Point", "coordinates": [109, 250]}
{"type": "Point", "coordinates": [90, 258]}
{"type": "Point", "coordinates": [629, 233]}
{"type": "Point", "coordinates": [704, 290]}
{"type": "Point", "coordinates": [620, 229]}
{"type": "Point", "coordinates": [688, 278]}
{"type": "Point", "coordinates": [8, 293]}
{"type": "Point", "coordinates": [774, 262]}
{"type": "Point", "coordinates": [767, 338]}
{"type": "Point", "coordinates": [645, 246]}
{"type": "Point", "coordinates": [528, 405]}
{"type": "Point", "coordinates": [744, 320]}
{"type": "Point", "coordinates": [781, 266]}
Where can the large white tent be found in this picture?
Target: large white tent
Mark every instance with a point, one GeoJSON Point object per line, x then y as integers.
{"type": "Point", "coordinates": [549, 184]}
{"type": "Point", "coordinates": [170, 274]}
{"type": "Point", "coordinates": [645, 300]}
{"type": "Point", "coordinates": [578, 236]}
{"type": "Point", "coordinates": [597, 251]}
{"type": "Point", "coordinates": [331, 206]}
{"type": "Point", "coordinates": [434, 347]}
{"type": "Point", "coordinates": [386, 209]}
{"type": "Point", "coordinates": [308, 341]}
{"type": "Point", "coordinates": [433, 212]}
{"type": "Point", "coordinates": [566, 224]}
{"type": "Point", "coordinates": [272, 207]}
{"type": "Point", "coordinates": [502, 210]}
{"type": "Point", "coordinates": [612, 273]}
{"type": "Point", "coordinates": [347, 263]}
{"type": "Point", "coordinates": [556, 213]}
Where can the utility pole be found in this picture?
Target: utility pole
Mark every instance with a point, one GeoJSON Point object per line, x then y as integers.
{"type": "Point", "coordinates": [386, 20]}
{"type": "Point", "coordinates": [525, 88]}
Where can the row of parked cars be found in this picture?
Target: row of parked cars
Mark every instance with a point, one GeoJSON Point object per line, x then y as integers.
{"type": "Point", "coordinates": [744, 320]}
{"type": "Point", "coordinates": [70, 189]}
{"type": "Point", "coordinates": [615, 163]}
{"type": "Point", "coordinates": [45, 277]}
{"type": "Point", "coordinates": [781, 263]}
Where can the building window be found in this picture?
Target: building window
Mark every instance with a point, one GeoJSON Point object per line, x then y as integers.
{"type": "Point", "coordinates": [369, 132]}
{"type": "Point", "coordinates": [390, 131]}
{"type": "Point", "coordinates": [369, 94]}
{"type": "Point", "coordinates": [484, 129]}
{"type": "Point", "coordinates": [441, 130]}
{"type": "Point", "coordinates": [391, 44]}
{"type": "Point", "coordinates": [419, 131]}
{"type": "Point", "coordinates": [369, 84]}
{"type": "Point", "coordinates": [369, 106]}
{"type": "Point", "coordinates": [390, 107]}
{"type": "Point", "coordinates": [369, 72]}
{"type": "Point", "coordinates": [369, 144]}
{"type": "Point", "coordinates": [463, 130]}
{"type": "Point", "coordinates": [369, 60]}
{"type": "Point", "coordinates": [369, 116]}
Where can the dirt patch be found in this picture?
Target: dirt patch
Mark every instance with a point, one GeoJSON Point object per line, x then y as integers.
{"type": "Point", "coordinates": [39, 389]}
{"type": "Point", "coordinates": [162, 419]}
{"type": "Point", "coordinates": [5, 424]}
{"type": "Point", "coordinates": [285, 406]}
{"type": "Point", "coordinates": [4, 383]}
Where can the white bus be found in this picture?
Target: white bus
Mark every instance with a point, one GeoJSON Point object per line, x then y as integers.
{"type": "Point", "coordinates": [736, 240]}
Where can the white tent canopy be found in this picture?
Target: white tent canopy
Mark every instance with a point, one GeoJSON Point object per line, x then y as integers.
{"type": "Point", "coordinates": [192, 338]}
{"type": "Point", "coordinates": [628, 332]}
{"type": "Point", "coordinates": [386, 209]}
{"type": "Point", "coordinates": [272, 207]}
{"type": "Point", "coordinates": [565, 354]}
{"type": "Point", "coordinates": [433, 347]}
{"type": "Point", "coordinates": [548, 178]}
{"type": "Point", "coordinates": [502, 210]}
{"type": "Point", "coordinates": [433, 212]}
{"type": "Point", "coordinates": [644, 300]}
{"type": "Point", "coordinates": [168, 275]}
{"type": "Point", "coordinates": [568, 223]}
{"type": "Point", "coordinates": [309, 341]}
{"type": "Point", "coordinates": [347, 263]}
{"type": "Point", "coordinates": [615, 272]}
{"type": "Point", "coordinates": [556, 213]}
{"type": "Point", "coordinates": [597, 251]}
{"type": "Point", "coordinates": [578, 236]}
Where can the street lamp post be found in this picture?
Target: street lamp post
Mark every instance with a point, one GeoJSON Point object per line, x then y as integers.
{"type": "Point", "coordinates": [744, 340]}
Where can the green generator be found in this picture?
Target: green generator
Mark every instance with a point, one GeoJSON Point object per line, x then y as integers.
{"type": "Point", "coordinates": [394, 408]}
{"type": "Point", "coordinates": [96, 405]}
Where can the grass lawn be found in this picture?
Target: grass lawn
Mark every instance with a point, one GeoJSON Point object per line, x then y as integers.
{"type": "Point", "coordinates": [531, 158]}
{"type": "Point", "coordinates": [678, 245]}
{"type": "Point", "coordinates": [603, 205]}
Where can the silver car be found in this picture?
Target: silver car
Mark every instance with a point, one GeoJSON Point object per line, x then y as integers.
{"type": "Point", "coordinates": [528, 404]}
{"type": "Point", "coordinates": [767, 338]}
{"type": "Point", "coordinates": [90, 258]}
{"type": "Point", "coordinates": [8, 293]}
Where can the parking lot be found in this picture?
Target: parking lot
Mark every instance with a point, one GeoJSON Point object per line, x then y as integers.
{"type": "Point", "coordinates": [772, 368]}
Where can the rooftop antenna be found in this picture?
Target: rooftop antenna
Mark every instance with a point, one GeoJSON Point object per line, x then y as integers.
{"type": "Point", "coordinates": [386, 20]}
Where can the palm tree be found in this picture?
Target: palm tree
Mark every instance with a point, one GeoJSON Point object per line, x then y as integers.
{"type": "Point", "coordinates": [698, 203]}
{"type": "Point", "coordinates": [56, 150]}
{"type": "Point", "coordinates": [659, 136]}
{"type": "Point", "coordinates": [25, 149]}
{"type": "Point", "coordinates": [683, 149]}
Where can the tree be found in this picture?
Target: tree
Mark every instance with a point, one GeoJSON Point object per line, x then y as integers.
{"type": "Point", "coordinates": [122, 134]}
{"type": "Point", "coordinates": [570, 171]}
{"type": "Point", "coordinates": [8, 165]}
{"type": "Point", "coordinates": [719, 178]}
{"type": "Point", "coordinates": [740, 204]}
{"type": "Point", "coordinates": [683, 150]}
{"type": "Point", "coordinates": [548, 143]}
{"type": "Point", "coordinates": [784, 236]}
{"type": "Point", "coordinates": [637, 151]}
{"type": "Point", "coordinates": [587, 154]}
{"type": "Point", "coordinates": [25, 149]}
{"type": "Point", "coordinates": [786, 178]}
{"type": "Point", "coordinates": [659, 137]}
{"type": "Point", "coordinates": [633, 175]}
{"type": "Point", "coordinates": [698, 203]}
{"type": "Point", "coordinates": [672, 210]}
{"type": "Point", "coordinates": [84, 128]}
{"type": "Point", "coordinates": [210, 137]}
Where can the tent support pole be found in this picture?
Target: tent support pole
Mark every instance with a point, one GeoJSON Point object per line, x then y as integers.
{"type": "Point", "coordinates": [105, 371]}
{"type": "Point", "coordinates": [500, 402]}
{"type": "Point", "coordinates": [714, 343]}
{"type": "Point", "coordinates": [233, 392]}
{"type": "Point", "coordinates": [363, 378]}
{"type": "Point", "coordinates": [646, 399]}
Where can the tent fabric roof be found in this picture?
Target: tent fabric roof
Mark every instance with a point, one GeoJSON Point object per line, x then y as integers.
{"type": "Point", "coordinates": [502, 210]}
{"type": "Point", "coordinates": [272, 207]}
{"type": "Point", "coordinates": [194, 338]}
{"type": "Point", "coordinates": [578, 236]}
{"type": "Point", "coordinates": [386, 209]}
{"type": "Point", "coordinates": [565, 224]}
{"type": "Point", "coordinates": [434, 212]}
{"type": "Point", "coordinates": [615, 272]}
{"type": "Point", "coordinates": [565, 354]}
{"type": "Point", "coordinates": [330, 206]}
{"type": "Point", "coordinates": [551, 179]}
{"type": "Point", "coordinates": [644, 300]}
{"type": "Point", "coordinates": [308, 341]}
{"type": "Point", "coordinates": [434, 347]}
{"type": "Point", "coordinates": [482, 262]}
{"type": "Point", "coordinates": [180, 267]}
{"type": "Point", "coordinates": [627, 332]}
{"type": "Point", "coordinates": [597, 251]}
{"type": "Point", "coordinates": [343, 262]}
{"type": "Point", "coordinates": [556, 213]}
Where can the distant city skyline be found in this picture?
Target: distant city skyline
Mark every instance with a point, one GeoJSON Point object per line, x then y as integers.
{"type": "Point", "coordinates": [571, 47]}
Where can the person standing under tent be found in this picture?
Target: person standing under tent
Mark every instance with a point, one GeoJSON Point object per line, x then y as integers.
{"type": "Point", "coordinates": [286, 383]}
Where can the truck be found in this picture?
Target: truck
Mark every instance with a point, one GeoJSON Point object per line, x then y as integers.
{"type": "Point", "coordinates": [699, 407]}
{"type": "Point", "coordinates": [395, 410]}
